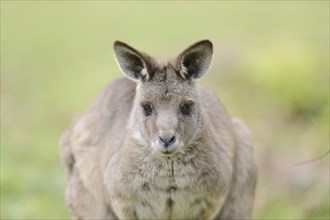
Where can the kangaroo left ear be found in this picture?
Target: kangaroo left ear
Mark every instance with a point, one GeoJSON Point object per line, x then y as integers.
{"type": "Point", "coordinates": [194, 61]}
{"type": "Point", "coordinates": [133, 63]}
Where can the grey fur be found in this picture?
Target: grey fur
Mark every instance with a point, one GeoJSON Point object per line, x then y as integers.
{"type": "Point", "coordinates": [118, 169]}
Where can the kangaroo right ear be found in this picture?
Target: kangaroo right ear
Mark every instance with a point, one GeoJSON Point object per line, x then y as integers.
{"type": "Point", "coordinates": [134, 64]}
{"type": "Point", "coordinates": [194, 61]}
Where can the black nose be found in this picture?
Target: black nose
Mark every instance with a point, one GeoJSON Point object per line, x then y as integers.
{"type": "Point", "coordinates": [167, 141]}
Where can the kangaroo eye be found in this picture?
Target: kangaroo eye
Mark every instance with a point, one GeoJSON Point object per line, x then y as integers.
{"type": "Point", "coordinates": [186, 108]}
{"type": "Point", "coordinates": [147, 109]}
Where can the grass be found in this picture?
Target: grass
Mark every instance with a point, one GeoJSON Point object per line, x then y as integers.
{"type": "Point", "coordinates": [271, 68]}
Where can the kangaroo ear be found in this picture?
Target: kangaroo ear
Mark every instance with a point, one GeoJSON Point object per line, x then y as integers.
{"type": "Point", "coordinates": [134, 64]}
{"type": "Point", "coordinates": [194, 61]}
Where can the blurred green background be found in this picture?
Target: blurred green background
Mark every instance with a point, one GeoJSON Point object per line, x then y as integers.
{"type": "Point", "coordinates": [271, 68]}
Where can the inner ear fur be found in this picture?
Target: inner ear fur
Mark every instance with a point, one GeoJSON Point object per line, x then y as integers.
{"type": "Point", "coordinates": [133, 63]}
{"type": "Point", "coordinates": [194, 61]}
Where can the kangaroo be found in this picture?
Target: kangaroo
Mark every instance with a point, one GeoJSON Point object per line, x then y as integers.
{"type": "Point", "coordinates": [157, 145]}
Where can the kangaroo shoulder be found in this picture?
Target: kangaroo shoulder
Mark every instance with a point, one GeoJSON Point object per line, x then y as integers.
{"type": "Point", "coordinates": [242, 133]}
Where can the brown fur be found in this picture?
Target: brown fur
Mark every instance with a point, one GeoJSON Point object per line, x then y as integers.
{"type": "Point", "coordinates": [118, 168]}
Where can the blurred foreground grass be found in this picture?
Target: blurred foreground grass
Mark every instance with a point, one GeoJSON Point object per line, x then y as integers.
{"type": "Point", "coordinates": [271, 68]}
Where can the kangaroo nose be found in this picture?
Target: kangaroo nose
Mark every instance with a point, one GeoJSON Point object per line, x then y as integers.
{"type": "Point", "coordinates": [167, 140]}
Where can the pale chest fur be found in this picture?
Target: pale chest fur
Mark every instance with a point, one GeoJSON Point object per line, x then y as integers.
{"type": "Point", "coordinates": [167, 188]}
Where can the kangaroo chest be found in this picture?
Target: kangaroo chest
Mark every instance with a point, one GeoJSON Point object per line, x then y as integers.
{"type": "Point", "coordinates": [172, 190]}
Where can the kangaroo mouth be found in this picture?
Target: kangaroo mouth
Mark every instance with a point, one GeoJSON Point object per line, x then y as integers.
{"type": "Point", "coordinates": [168, 152]}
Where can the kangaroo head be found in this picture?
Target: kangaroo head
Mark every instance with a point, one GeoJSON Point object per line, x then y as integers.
{"type": "Point", "coordinates": [166, 113]}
